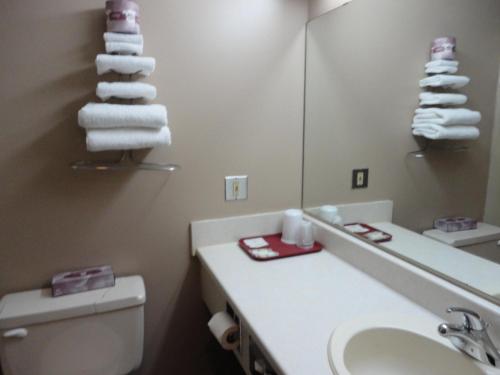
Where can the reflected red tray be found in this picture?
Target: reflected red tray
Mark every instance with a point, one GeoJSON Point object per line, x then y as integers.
{"type": "Point", "coordinates": [370, 229]}
{"type": "Point", "coordinates": [275, 244]}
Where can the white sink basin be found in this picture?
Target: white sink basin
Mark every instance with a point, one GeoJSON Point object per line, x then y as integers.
{"type": "Point", "coordinates": [397, 345]}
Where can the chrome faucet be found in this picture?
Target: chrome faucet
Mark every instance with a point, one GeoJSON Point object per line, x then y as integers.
{"type": "Point", "coordinates": [471, 337]}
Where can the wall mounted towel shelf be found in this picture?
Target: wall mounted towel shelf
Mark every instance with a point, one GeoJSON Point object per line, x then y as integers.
{"type": "Point", "coordinates": [128, 75]}
{"type": "Point", "coordinates": [126, 162]}
{"type": "Point", "coordinates": [431, 146]}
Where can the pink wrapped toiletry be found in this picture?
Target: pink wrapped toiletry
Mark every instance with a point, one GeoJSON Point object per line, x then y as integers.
{"type": "Point", "coordinates": [444, 48]}
{"type": "Point", "coordinates": [82, 280]}
{"type": "Point", "coordinates": [122, 16]}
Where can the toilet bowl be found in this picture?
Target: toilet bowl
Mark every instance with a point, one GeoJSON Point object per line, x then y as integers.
{"type": "Point", "coordinates": [99, 332]}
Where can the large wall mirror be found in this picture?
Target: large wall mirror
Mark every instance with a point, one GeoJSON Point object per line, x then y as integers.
{"type": "Point", "coordinates": [363, 67]}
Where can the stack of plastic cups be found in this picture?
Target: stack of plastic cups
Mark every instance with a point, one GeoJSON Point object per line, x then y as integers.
{"type": "Point", "coordinates": [330, 214]}
{"type": "Point", "coordinates": [292, 220]}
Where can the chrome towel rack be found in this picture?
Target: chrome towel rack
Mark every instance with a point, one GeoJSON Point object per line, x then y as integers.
{"type": "Point", "coordinates": [431, 145]}
{"type": "Point", "coordinates": [126, 162]}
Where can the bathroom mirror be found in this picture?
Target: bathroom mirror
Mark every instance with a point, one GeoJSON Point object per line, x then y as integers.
{"type": "Point", "coordinates": [363, 66]}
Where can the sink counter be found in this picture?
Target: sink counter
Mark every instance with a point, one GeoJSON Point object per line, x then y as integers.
{"type": "Point", "coordinates": [292, 305]}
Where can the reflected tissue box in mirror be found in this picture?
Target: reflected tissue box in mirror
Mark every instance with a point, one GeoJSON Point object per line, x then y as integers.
{"type": "Point", "coordinates": [455, 224]}
{"type": "Point", "coordinates": [82, 280]}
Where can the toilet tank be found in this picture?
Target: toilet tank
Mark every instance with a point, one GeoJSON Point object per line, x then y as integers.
{"type": "Point", "coordinates": [99, 332]}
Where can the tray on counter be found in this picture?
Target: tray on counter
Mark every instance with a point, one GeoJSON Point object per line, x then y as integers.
{"type": "Point", "coordinates": [283, 250]}
{"type": "Point", "coordinates": [370, 229]}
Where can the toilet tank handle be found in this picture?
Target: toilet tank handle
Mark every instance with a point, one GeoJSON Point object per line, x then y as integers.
{"type": "Point", "coordinates": [17, 333]}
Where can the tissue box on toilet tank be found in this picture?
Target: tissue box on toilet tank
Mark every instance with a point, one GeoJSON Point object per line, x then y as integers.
{"type": "Point", "coordinates": [82, 280]}
{"type": "Point", "coordinates": [455, 224]}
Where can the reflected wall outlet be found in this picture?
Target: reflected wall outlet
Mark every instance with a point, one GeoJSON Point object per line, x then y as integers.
{"type": "Point", "coordinates": [236, 188]}
{"type": "Point", "coordinates": [360, 178]}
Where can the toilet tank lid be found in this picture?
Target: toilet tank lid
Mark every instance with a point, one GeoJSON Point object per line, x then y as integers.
{"type": "Point", "coordinates": [38, 306]}
{"type": "Point", "coordinates": [483, 233]}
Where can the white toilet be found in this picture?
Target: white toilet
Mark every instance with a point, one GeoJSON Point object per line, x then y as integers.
{"type": "Point", "coordinates": [99, 332]}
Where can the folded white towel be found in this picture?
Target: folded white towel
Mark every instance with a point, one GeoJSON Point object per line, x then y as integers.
{"type": "Point", "coordinates": [447, 116]}
{"type": "Point", "coordinates": [433, 131]}
{"type": "Point", "coordinates": [437, 63]}
{"type": "Point", "coordinates": [431, 98]}
{"type": "Point", "coordinates": [125, 64]}
{"type": "Point", "coordinates": [441, 70]}
{"type": "Point", "coordinates": [124, 48]}
{"type": "Point", "coordinates": [123, 38]}
{"type": "Point", "coordinates": [103, 115]}
{"type": "Point", "coordinates": [443, 80]}
{"type": "Point", "coordinates": [127, 139]}
{"type": "Point", "coordinates": [125, 90]}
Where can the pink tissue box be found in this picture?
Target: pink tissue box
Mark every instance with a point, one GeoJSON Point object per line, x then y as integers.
{"type": "Point", "coordinates": [82, 280]}
{"type": "Point", "coordinates": [455, 224]}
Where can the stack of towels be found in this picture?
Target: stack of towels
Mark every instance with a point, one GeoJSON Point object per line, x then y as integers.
{"type": "Point", "coordinates": [124, 126]}
{"type": "Point", "coordinates": [433, 120]}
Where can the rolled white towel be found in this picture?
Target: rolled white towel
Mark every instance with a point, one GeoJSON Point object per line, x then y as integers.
{"type": "Point", "coordinates": [447, 116]}
{"type": "Point", "coordinates": [437, 63]}
{"type": "Point", "coordinates": [433, 131]}
{"type": "Point", "coordinates": [441, 70]}
{"type": "Point", "coordinates": [125, 90]}
{"type": "Point", "coordinates": [431, 98]}
{"type": "Point", "coordinates": [104, 115]}
{"type": "Point", "coordinates": [125, 64]}
{"type": "Point", "coordinates": [123, 38]}
{"type": "Point", "coordinates": [124, 48]}
{"type": "Point", "coordinates": [443, 80]}
{"type": "Point", "coordinates": [127, 139]}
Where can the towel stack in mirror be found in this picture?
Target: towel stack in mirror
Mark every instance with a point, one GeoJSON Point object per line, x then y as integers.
{"type": "Point", "coordinates": [124, 124]}
{"type": "Point", "coordinates": [433, 120]}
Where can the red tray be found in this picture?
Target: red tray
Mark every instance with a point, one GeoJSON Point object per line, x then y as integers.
{"type": "Point", "coordinates": [370, 229]}
{"type": "Point", "coordinates": [284, 250]}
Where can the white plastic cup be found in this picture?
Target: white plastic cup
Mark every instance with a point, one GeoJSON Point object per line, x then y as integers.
{"type": "Point", "coordinates": [338, 221]}
{"type": "Point", "coordinates": [328, 213]}
{"type": "Point", "coordinates": [305, 237]}
{"type": "Point", "coordinates": [291, 225]}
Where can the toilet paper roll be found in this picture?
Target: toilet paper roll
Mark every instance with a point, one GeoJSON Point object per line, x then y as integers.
{"type": "Point", "coordinates": [225, 330]}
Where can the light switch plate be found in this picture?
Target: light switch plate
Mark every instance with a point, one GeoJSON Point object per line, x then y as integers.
{"type": "Point", "coordinates": [236, 188]}
{"type": "Point", "coordinates": [360, 178]}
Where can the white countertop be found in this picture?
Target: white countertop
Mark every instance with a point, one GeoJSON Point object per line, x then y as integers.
{"type": "Point", "coordinates": [475, 271]}
{"type": "Point", "coordinates": [292, 305]}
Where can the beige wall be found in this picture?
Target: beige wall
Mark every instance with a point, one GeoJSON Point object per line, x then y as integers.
{"type": "Point", "coordinates": [362, 90]}
{"type": "Point", "coordinates": [492, 209]}
{"type": "Point", "coordinates": [318, 7]}
{"type": "Point", "coordinates": [231, 74]}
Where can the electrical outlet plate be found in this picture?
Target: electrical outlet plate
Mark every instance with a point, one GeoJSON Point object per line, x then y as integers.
{"type": "Point", "coordinates": [360, 178]}
{"type": "Point", "coordinates": [236, 188]}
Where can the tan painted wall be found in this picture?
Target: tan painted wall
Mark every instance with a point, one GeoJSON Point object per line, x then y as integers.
{"type": "Point", "coordinates": [492, 209]}
{"type": "Point", "coordinates": [363, 66]}
{"type": "Point", "coordinates": [231, 73]}
{"type": "Point", "coordinates": [318, 7]}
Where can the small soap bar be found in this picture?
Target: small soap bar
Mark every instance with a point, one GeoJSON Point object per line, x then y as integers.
{"type": "Point", "coordinates": [264, 253]}
{"type": "Point", "coordinates": [256, 243]}
{"type": "Point", "coordinates": [356, 228]}
{"type": "Point", "coordinates": [82, 280]}
{"type": "Point", "coordinates": [377, 236]}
